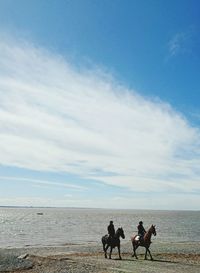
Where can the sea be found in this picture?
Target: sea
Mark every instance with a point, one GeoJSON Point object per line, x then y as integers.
{"type": "Point", "coordinates": [39, 227]}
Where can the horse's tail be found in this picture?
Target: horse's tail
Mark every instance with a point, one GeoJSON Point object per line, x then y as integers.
{"type": "Point", "coordinates": [104, 241]}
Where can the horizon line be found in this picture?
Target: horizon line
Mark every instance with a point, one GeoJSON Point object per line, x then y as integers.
{"type": "Point", "coordinates": [55, 207]}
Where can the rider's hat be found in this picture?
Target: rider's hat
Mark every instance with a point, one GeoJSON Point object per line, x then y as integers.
{"type": "Point", "coordinates": [140, 223]}
{"type": "Point", "coordinates": [111, 222]}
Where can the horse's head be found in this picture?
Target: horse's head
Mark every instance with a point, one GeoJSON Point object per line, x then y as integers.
{"type": "Point", "coordinates": [120, 232]}
{"type": "Point", "coordinates": [153, 229]}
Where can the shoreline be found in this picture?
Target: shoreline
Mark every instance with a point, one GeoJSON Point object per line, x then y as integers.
{"type": "Point", "coordinates": [168, 257]}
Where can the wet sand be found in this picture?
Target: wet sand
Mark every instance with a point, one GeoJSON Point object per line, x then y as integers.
{"type": "Point", "coordinates": [168, 258]}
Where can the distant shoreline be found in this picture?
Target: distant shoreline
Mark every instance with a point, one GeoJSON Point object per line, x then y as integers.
{"type": "Point", "coordinates": [88, 208]}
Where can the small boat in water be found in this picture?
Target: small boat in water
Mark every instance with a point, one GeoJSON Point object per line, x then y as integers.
{"type": "Point", "coordinates": [39, 213]}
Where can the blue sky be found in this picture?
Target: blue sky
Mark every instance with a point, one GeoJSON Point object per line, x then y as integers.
{"type": "Point", "coordinates": [99, 104]}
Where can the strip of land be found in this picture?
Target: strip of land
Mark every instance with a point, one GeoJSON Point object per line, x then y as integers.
{"type": "Point", "coordinates": [168, 258]}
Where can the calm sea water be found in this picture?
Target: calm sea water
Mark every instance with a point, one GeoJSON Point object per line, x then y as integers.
{"type": "Point", "coordinates": [21, 227]}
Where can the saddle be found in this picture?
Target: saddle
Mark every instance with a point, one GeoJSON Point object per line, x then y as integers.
{"type": "Point", "coordinates": [137, 238]}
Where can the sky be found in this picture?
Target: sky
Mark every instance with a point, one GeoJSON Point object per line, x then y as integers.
{"type": "Point", "coordinates": [100, 104]}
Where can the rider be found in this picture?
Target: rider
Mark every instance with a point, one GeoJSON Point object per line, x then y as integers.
{"type": "Point", "coordinates": [111, 230]}
{"type": "Point", "coordinates": [141, 231]}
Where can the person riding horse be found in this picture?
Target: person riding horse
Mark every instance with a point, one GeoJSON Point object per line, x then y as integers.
{"type": "Point", "coordinates": [141, 231]}
{"type": "Point", "coordinates": [111, 230]}
{"type": "Point", "coordinates": [146, 241]}
{"type": "Point", "coordinates": [114, 241]}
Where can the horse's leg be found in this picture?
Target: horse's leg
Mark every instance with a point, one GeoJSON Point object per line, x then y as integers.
{"type": "Point", "coordinates": [119, 252]}
{"type": "Point", "coordinates": [150, 254]}
{"type": "Point", "coordinates": [106, 248]}
{"type": "Point", "coordinates": [134, 251]}
{"type": "Point", "coordinates": [145, 257]}
{"type": "Point", "coordinates": [110, 252]}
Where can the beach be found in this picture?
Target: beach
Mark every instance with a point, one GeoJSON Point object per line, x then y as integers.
{"type": "Point", "coordinates": [168, 257]}
{"type": "Point", "coordinates": [69, 241]}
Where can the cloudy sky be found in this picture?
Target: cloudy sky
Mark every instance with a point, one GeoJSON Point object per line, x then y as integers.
{"type": "Point", "coordinates": [100, 104]}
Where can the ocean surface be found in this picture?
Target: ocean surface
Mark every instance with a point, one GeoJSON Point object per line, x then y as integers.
{"type": "Point", "coordinates": [20, 227]}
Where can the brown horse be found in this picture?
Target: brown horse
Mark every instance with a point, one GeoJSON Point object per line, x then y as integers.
{"type": "Point", "coordinates": [144, 243]}
{"type": "Point", "coordinates": [112, 242]}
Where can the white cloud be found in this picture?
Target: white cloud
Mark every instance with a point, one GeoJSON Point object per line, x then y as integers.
{"type": "Point", "coordinates": [54, 117]}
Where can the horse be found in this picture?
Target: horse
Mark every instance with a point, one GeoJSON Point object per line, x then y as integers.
{"type": "Point", "coordinates": [112, 242]}
{"type": "Point", "coordinates": [144, 243]}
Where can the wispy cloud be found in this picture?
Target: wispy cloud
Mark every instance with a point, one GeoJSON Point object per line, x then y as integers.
{"type": "Point", "coordinates": [54, 117]}
{"type": "Point", "coordinates": [176, 44]}
{"type": "Point", "coordinates": [45, 202]}
{"type": "Point", "coordinates": [181, 43]}
{"type": "Point", "coordinates": [42, 182]}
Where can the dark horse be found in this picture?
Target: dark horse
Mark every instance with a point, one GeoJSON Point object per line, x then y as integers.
{"type": "Point", "coordinates": [113, 242]}
{"type": "Point", "coordinates": [144, 243]}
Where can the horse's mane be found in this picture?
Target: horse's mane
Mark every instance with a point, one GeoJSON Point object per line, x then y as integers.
{"type": "Point", "coordinates": [118, 230]}
{"type": "Point", "coordinates": [149, 231]}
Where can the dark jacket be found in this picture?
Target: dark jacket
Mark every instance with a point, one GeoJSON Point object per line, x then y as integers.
{"type": "Point", "coordinates": [111, 230]}
{"type": "Point", "coordinates": [141, 230]}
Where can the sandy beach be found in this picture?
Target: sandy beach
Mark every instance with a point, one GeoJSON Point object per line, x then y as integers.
{"type": "Point", "coordinates": [168, 258]}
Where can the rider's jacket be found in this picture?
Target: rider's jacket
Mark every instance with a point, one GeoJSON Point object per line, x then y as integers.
{"type": "Point", "coordinates": [111, 230]}
{"type": "Point", "coordinates": [141, 230]}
